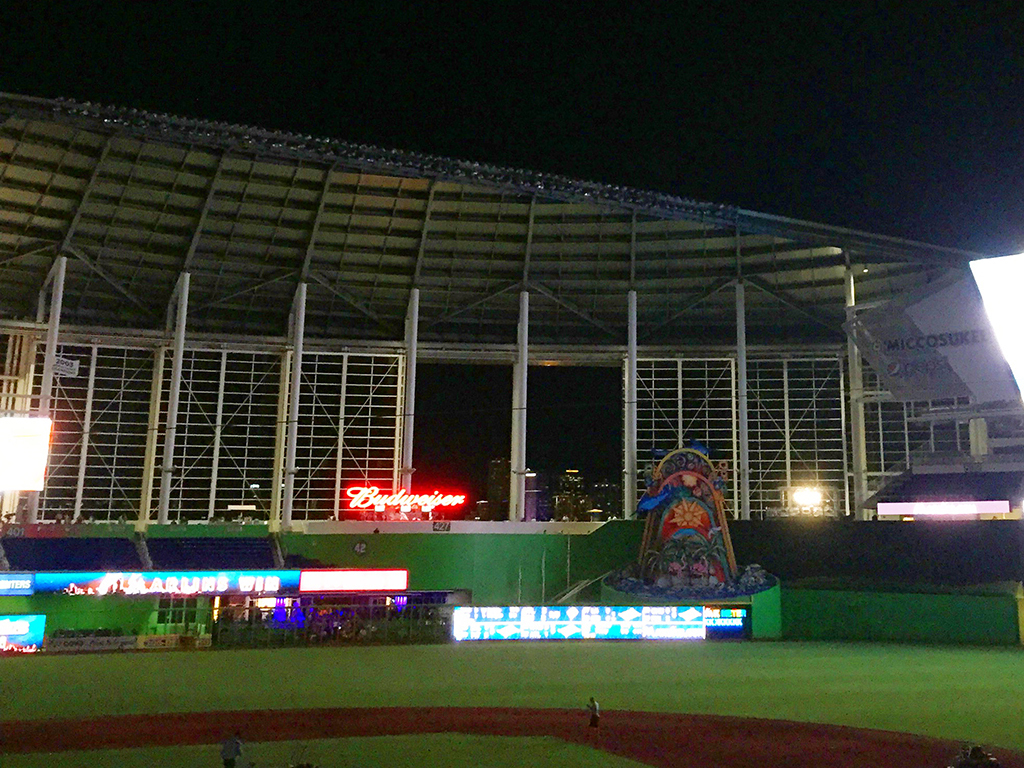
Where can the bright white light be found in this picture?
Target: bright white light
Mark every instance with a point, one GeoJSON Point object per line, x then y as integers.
{"type": "Point", "coordinates": [24, 448]}
{"type": "Point", "coordinates": [354, 580]}
{"type": "Point", "coordinates": [1000, 282]}
{"type": "Point", "coordinates": [807, 497]}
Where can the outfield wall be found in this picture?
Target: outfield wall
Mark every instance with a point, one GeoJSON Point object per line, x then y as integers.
{"type": "Point", "coordinates": [530, 568]}
{"type": "Point", "coordinates": [832, 614]}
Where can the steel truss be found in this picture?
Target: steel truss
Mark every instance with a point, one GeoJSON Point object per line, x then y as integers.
{"type": "Point", "coordinates": [798, 423]}
{"type": "Point", "coordinates": [227, 429]}
{"type": "Point", "coordinates": [109, 438]}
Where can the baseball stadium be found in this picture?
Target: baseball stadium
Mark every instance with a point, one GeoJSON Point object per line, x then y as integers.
{"type": "Point", "coordinates": [210, 523]}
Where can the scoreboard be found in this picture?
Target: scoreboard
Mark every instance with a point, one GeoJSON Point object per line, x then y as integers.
{"type": "Point", "coordinates": [600, 622]}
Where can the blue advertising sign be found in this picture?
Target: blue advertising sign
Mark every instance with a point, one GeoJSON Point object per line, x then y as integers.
{"type": "Point", "coordinates": [22, 634]}
{"type": "Point", "coordinates": [16, 584]}
{"type": "Point", "coordinates": [184, 583]}
{"type": "Point", "coordinates": [560, 622]}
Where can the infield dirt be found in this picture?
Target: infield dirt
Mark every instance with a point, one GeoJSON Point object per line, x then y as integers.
{"type": "Point", "coordinates": [658, 739]}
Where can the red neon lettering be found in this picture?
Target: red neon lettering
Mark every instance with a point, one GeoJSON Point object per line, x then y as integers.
{"type": "Point", "coordinates": [363, 498]}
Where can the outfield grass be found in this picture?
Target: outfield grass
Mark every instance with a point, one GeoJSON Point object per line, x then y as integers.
{"type": "Point", "coordinates": [454, 750]}
{"type": "Point", "coordinates": [956, 693]}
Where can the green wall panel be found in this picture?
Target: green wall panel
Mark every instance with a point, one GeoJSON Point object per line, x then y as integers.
{"type": "Point", "coordinates": [499, 569]}
{"type": "Point", "coordinates": [820, 614]}
{"type": "Point", "coordinates": [131, 614]}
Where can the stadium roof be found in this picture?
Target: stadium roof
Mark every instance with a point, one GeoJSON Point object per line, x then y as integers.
{"type": "Point", "coordinates": [135, 198]}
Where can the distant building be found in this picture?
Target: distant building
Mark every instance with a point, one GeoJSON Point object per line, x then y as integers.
{"type": "Point", "coordinates": [570, 481]}
{"type": "Point", "coordinates": [498, 477]}
{"type": "Point", "coordinates": [538, 497]}
{"type": "Point", "coordinates": [607, 497]}
{"type": "Point", "coordinates": [571, 501]}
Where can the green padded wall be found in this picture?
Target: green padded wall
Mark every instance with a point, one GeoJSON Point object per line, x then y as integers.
{"type": "Point", "coordinates": [499, 569]}
{"type": "Point", "coordinates": [824, 614]}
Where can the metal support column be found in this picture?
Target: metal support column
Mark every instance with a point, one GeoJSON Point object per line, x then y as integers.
{"type": "Point", "coordinates": [339, 457]}
{"type": "Point", "coordinates": [299, 329]}
{"type": "Point", "coordinates": [741, 396]}
{"type": "Point", "coordinates": [53, 329]}
{"type": "Point", "coordinates": [56, 279]}
{"type": "Point", "coordinates": [83, 455]}
{"type": "Point", "coordinates": [857, 429]}
{"type": "Point", "coordinates": [276, 482]}
{"type": "Point", "coordinates": [787, 437]}
{"type": "Point", "coordinates": [629, 455]}
{"type": "Point", "coordinates": [149, 460]}
{"type": "Point", "coordinates": [842, 426]}
{"type": "Point", "coordinates": [978, 435]}
{"type": "Point", "coordinates": [218, 426]}
{"type": "Point", "coordinates": [517, 481]}
{"type": "Point", "coordinates": [163, 513]}
{"type": "Point", "coordinates": [412, 322]}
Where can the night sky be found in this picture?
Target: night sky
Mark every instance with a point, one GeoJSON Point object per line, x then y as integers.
{"type": "Point", "coordinates": [865, 115]}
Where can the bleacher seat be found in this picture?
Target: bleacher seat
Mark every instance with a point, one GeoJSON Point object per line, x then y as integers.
{"type": "Point", "coordinates": [84, 554]}
{"type": "Point", "coordinates": [202, 554]}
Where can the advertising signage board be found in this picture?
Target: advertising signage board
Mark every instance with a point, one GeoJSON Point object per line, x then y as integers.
{"type": "Point", "coordinates": [948, 509]}
{"type": "Point", "coordinates": [648, 622]}
{"type": "Point", "coordinates": [196, 583]}
{"type": "Point", "coordinates": [22, 634]}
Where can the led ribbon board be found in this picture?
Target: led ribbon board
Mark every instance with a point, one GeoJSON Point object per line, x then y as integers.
{"type": "Point", "coordinates": [943, 508]}
{"type": "Point", "coordinates": [193, 583]}
{"type": "Point", "coordinates": [22, 634]}
{"type": "Point", "coordinates": [649, 622]}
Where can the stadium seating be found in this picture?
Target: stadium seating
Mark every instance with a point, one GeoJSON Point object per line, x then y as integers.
{"type": "Point", "coordinates": [79, 554]}
{"type": "Point", "coordinates": [202, 554]}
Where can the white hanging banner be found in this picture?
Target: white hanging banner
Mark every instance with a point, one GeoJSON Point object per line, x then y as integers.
{"type": "Point", "coordinates": [65, 366]}
{"type": "Point", "coordinates": [935, 343]}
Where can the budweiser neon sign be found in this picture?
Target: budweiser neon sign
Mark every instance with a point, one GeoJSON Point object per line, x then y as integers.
{"type": "Point", "coordinates": [372, 497]}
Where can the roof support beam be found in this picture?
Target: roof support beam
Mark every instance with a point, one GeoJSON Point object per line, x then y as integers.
{"type": "Point", "coordinates": [33, 251]}
{"type": "Point", "coordinates": [787, 300]}
{"type": "Point", "coordinates": [714, 288]}
{"type": "Point", "coordinates": [543, 291]}
{"type": "Point", "coordinates": [355, 303]}
{"type": "Point", "coordinates": [275, 278]}
{"type": "Point", "coordinates": [529, 241]}
{"type": "Point", "coordinates": [423, 235]}
{"type": "Point", "coordinates": [66, 242]}
{"type": "Point", "coordinates": [114, 282]}
{"type": "Point", "coordinates": [456, 312]}
{"type": "Point", "coordinates": [197, 234]}
{"type": "Point", "coordinates": [311, 245]}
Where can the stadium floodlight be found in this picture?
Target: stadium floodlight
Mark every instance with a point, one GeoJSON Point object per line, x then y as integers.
{"type": "Point", "coordinates": [24, 450]}
{"type": "Point", "coordinates": [1000, 280]}
{"type": "Point", "coordinates": [807, 497]}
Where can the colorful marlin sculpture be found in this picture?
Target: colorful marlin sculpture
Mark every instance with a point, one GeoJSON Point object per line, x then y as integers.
{"type": "Point", "coordinates": [686, 538]}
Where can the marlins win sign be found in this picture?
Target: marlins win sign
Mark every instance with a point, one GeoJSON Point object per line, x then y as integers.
{"type": "Point", "coordinates": [935, 343]}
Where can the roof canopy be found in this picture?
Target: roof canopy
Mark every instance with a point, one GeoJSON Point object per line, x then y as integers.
{"type": "Point", "coordinates": [135, 199]}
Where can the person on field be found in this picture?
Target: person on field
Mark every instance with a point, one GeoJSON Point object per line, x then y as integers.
{"type": "Point", "coordinates": [231, 750]}
{"type": "Point", "coordinates": [595, 712]}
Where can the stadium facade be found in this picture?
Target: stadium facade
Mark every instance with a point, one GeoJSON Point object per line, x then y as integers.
{"type": "Point", "coordinates": [220, 318]}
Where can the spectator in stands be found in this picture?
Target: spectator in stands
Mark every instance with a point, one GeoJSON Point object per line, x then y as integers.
{"type": "Point", "coordinates": [231, 750]}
